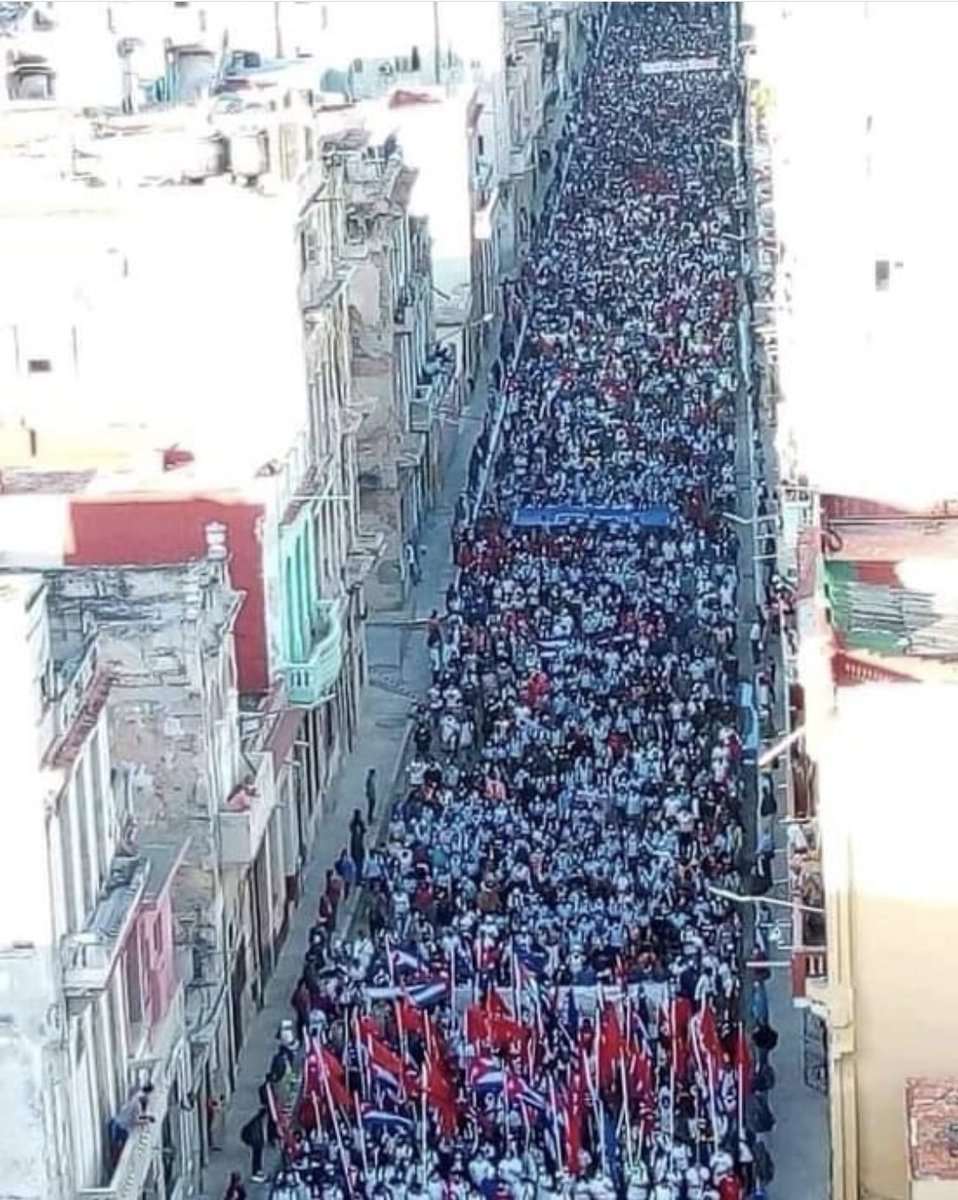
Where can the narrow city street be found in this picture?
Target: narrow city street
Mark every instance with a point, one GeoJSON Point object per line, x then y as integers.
{"type": "Point", "coordinates": [657, 935]}
{"type": "Point", "coordinates": [399, 672]}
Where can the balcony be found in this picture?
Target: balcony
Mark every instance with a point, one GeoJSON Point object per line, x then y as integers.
{"type": "Point", "coordinates": [426, 407]}
{"type": "Point", "coordinates": [520, 155]}
{"type": "Point", "coordinates": [145, 1132]}
{"type": "Point", "coordinates": [311, 680]}
{"type": "Point", "coordinates": [404, 314]}
{"type": "Point", "coordinates": [318, 289]}
{"type": "Point", "coordinates": [89, 957]}
{"type": "Point", "coordinates": [245, 815]}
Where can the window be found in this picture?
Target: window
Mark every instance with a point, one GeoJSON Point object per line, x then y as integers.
{"type": "Point", "coordinates": [88, 857]}
{"type": "Point", "coordinates": [39, 366]}
{"type": "Point", "coordinates": [480, 145]}
{"type": "Point", "coordinates": [98, 799]}
{"type": "Point", "coordinates": [882, 274]}
{"type": "Point", "coordinates": [66, 860]}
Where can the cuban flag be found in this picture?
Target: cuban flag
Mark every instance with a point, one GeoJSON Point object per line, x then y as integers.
{"type": "Point", "coordinates": [429, 994]}
{"type": "Point", "coordinates": [518, 1090]}
{"type": "Point", "coordinates": [378, 1118]}
{"type": "Point", "coordinates": [388, 1079]}
{"type": "Point", "coordinates": [485, 1075]}
{"type": "Point", "coordinates": [532, 963]}
{"type": "Point", "coordinates": [404, 960]}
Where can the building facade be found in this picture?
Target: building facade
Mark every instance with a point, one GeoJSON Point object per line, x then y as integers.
{"type": "Point", "coordinates": [245, 274]}
{"type": "Point", "coordinates": [94, 1047]}
{"type": "Point", "coordinates": [845, 285]}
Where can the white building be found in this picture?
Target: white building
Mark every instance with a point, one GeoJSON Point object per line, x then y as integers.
{"type": "Point", "coordinates": [92, 1038]}
{"type": "Point", "coordinates": [116, 452]}
{"type": "Point", "coordinates": [851, 108]}
{"type": "Point", "coordinates": [860, 197]}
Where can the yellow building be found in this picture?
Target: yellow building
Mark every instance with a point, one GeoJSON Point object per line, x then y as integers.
{"type": "Point", "coordinates": [849, 106]}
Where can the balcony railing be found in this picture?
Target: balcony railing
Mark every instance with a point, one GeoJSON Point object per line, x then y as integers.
{"type": "Point", "coordinates": [244, 817]}
{"type": "Point", "coordinates": [318, 288]}
{"type": "Point", "coordinates": [312, 679]}
{"type": "Point", "coordinates": [90, 956]}
{"type": "Point", "coordinates": [427, 405]}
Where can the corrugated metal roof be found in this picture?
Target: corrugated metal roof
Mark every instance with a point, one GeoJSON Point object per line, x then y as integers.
{"type": "Point", "coordinates": [890, 619]}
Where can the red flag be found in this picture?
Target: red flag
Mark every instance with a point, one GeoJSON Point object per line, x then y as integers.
{"type": "Point", "coordinates": [743, 1062]}
{"type": "Point", "coordinates": [408, 1017]}
{"type": "Point", "coordinates": [496, 1006]}
{"type": "Point", "coordinates": [383, 1057]}
{"type": "Point", "coordinates": [611, 1045]}
{"type": "Point", "coordinates": [369, 1027]}
{"type": "Point", "coordinates": [708, 1032]}
{"type": "Point", "coordinates": [477, 1025]}
{"type": "Point", "coordinates": [639, 1074]}
{"type": "Point", "coordinates": [574, 1111]}
{"type": "Point", "coordinates": [441, 1092]}
{"type": "Point", "coordinates": [336, 1079]}
{"type": "Point", "coordinates": [503, 1031]}
{"type": "Point", "coordinates": [680, 1057]}
{"type": "Point", "coordinates": [682, 1009]}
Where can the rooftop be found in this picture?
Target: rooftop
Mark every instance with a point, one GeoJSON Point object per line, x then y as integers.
{"type": "Point", "coordinates": [892, 590]}
{"type": "Point", "coordinates": [98, 279]}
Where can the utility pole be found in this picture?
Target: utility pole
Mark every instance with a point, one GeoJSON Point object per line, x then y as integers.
{"type": "Point", "coordinates": [437, 65]}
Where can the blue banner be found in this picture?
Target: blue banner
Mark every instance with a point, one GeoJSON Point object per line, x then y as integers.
{"type": "Point", "coordinates": [659, 517]}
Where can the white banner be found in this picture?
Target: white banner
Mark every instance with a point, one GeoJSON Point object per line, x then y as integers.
{"type": "Point", "coordinates": [678, 66]}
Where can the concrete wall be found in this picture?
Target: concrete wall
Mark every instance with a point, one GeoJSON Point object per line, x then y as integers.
{"type": "Point", "coordinates": [33, 1148]}
{"type": "Point", "coordinates": [886, 797]}
{"type": "Point", "coordinates": [173, 711]}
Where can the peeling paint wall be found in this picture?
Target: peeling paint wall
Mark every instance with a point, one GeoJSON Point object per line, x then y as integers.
{"type": "Point", "coordinates": [173, 716]}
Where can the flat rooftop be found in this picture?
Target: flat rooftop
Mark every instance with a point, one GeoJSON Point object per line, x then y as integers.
{"type": "Point", "coordinates": [167, 313]}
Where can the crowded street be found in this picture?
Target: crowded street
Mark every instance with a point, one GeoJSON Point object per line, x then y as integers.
{"type": "Point", "coordinates": [543, 993]}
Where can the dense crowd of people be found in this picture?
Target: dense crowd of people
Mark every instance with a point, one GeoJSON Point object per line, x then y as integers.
{"type": "Point", "coordinates": [547, 998]}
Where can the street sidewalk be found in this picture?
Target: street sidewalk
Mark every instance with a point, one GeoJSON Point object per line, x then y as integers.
{"type": "Point", "coordinates": [399, 652]}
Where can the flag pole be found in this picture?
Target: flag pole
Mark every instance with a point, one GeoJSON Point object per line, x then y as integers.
{"type": "Point", "coordinates": [332, 1112]}
{"type": "Point", "coordinates": [600, 1124]}
{"type": "Point", "coordinates": [362, 1060]}
{"type": "Point", "coordinates": [424, 1133]}
{"type": "Point", "coordinates": [672, 1054]}
{"type": "Point", "coordinates": [625, 1107]}
{"type": "Point", "coordinates": [362, 1136]}
{"type": "Point", "coordinates": [555, 1121]}
{"type": "Point", "coordinates": [452, 987]}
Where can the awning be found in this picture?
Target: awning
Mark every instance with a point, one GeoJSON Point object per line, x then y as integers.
{"type": "Point", "coordinates": [283, 736]}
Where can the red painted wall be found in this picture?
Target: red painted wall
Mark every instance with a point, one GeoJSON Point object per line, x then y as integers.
{"type": "Point", "coordinates": [149, 530]}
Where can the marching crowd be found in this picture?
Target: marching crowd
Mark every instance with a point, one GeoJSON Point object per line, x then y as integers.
{"type": "Point", "coordinates": [547, 998]}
